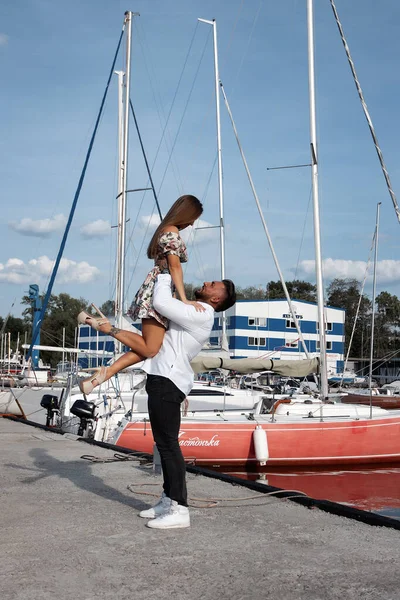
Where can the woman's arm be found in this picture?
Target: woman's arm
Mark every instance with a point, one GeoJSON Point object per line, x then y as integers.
{"type": "Point", "coordinates": [178, 312]}
{"type": "Point", "coordinates": [175, 269]}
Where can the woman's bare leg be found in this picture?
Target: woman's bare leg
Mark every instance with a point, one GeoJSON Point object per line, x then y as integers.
{"type": "Point", "coordinates": [123, 362]}
{"type": "Point", "coordinates": [150, 343]}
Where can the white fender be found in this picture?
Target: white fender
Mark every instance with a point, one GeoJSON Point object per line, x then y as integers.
{"type": "Point", "coordinates": [261, 445]}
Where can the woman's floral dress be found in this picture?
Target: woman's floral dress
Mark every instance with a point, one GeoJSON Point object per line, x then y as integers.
{"type": "Point", "coordinates": [142, 305]}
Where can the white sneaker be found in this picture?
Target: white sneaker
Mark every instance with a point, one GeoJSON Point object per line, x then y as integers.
{"type": "Point", "coordinates": [176, 516]}
{"type": "Point", "coordinates": [162, 506]}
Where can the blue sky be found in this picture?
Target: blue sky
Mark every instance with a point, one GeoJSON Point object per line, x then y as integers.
{"type": "Point", "coordinates": [55, 59]}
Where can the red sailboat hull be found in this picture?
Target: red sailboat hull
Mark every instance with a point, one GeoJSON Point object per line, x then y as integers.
{"type": "Point", "coordinates": [214, 443]}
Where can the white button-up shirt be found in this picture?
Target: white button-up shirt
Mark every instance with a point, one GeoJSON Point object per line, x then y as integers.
{"type": "Point", "coordinates": [188, 331]}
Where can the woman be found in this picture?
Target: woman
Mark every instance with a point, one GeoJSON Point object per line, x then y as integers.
{"type": "Point", "coordinates": [168, 251]}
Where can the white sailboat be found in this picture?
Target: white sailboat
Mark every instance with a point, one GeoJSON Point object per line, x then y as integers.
{"type": "Point", "coordinates": [305, 430]}
{"type": "Point", "coordinates": [124, 394]}
{"type": "Point", "coordinates": [301, 431]}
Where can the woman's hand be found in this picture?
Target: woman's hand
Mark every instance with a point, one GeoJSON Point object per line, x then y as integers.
{"type": "Point", "coordinates": [199, 307]}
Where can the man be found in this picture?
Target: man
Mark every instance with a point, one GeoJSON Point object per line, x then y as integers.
{"type": "Point", "coordinates": [170, 379]}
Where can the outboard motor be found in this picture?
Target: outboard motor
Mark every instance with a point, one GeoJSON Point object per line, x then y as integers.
{"type": "Point", "coordinates": [85, 411]}
{"type": "Point", "coordinates": [51, 404]}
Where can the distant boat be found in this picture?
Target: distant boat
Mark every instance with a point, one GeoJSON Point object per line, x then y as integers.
{"type": "Point", "coordinates": [21, 373]}
{"type": "Point", "coordinates": [346, 378]}
{"type": "Point", "coordinates": [375, 396]}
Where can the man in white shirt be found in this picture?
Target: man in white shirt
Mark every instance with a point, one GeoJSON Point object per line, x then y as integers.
{"type": "Point", "coordinates": [169, 380]}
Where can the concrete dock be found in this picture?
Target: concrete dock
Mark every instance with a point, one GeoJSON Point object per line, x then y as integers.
{"type": "Point", "coordinates": [70, 529]}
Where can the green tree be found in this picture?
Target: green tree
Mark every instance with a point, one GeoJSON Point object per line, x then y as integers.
{"type": "Point", "coordinates": [387, 324]}
{"type": "Point", "coordinates": [250, 293]}
{"type": "Point", "coordinates": [16, 327]}
{"type": "Point", "coordinates": [345, 293]}
{"type": "Point", "coordinates": [108, 308]}
{"type": "Point", "coordinates": [189, 290]}
{"type": "Point", "coordinates": [298, 290]}
{"type": "Point", "coordinates": [62, 312]}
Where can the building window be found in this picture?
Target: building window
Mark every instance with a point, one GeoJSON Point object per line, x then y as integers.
{"type": "Point", "coordinates": [292, 344]}
{"type": "Point", "coordinates": [290, 324]}
{"type": "Point", "coordinates": [329, 326]}
{"type": "Point", "coordinates": [257, 321]}
{"type": "Point", "coordinates": [219, 322]}
{"type": "Point", "coordinates": [328, 345]}
{"type": "Point", "coordinates": [255, 341]}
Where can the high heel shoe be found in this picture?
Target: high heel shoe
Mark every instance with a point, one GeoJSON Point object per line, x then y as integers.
{"type": "Point", "coordinates": [88, 384]}
{"type": "Point", "coordinates": [85, 319]}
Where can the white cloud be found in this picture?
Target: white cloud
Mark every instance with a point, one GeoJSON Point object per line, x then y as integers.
{"type": "Point", "coordinates": [18, 272]}
{"type": "Point", "coordinates": [3, 39]}
{"type": "Point", "coordinates": [40, 228]}
{"type": "Point", "coordinates": [198, 236]}
{"type": "Point", "coordinates": [98, 228]}
{"type": "Point", "coordinates": [150, 221]}
{"type": "Point", "coordinates": [387, 271]}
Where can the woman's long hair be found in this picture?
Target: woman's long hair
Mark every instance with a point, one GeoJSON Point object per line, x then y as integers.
{"type": "Point", "coordinates": [183, 211]}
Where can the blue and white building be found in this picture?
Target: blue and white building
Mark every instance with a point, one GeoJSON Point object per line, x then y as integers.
{"type": "Point", "coordinates": [255, 328]}
{"type": "Point", "coordinates": [265, 328]}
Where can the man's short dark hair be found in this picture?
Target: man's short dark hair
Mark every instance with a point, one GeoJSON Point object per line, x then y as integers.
{"type": "Point", "coordinates": [230, 296]}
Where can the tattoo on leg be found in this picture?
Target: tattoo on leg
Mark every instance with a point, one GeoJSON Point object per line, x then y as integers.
{"type": "Point", "coordinates": [114, 331]}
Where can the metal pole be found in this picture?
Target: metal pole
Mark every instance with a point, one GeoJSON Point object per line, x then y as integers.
{"type": "Point", "coordinates": [63, 346]}
{"type": "Point", "coordinates": [121, 196]}
{"type": "Point", "coordinates": [314, 176]}
{"type": "Point", "coordinates": [9, 352]}
{"type": "Point", "coordinates": [124, 165]}
{"type": "Point", "coordinates": [220, 174]}
{"type": "Point", "coordinates": [17, 350]}
{"type": "Point", "coordinates": [373, 308]}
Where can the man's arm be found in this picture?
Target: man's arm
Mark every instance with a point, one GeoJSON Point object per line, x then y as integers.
{"type": "Point", "coordinates": [182, 314]}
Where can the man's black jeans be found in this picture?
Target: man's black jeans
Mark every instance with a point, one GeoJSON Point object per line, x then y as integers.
{"type": "Point", "coordinates": [164, 402]}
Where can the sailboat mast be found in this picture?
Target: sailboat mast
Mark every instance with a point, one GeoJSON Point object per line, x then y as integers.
{"type": "Point", "coordinates": [118, 283]}
{"type": "Point", "coordinates": [373, 305]}
{"type": "Point", "coordinates": [122, 183]}
{"type": "Point", "coordinates": [314, 177]}
{"type": "Point", "coordinates": [213, 23]}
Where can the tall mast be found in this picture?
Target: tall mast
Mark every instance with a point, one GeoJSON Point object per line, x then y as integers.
{"type": "Point", "coordinates": [219, 156]}
{"type": "Point", "coordinates": [123, 175]}
{"type": "Point", "coordinates": [119, 298]}
{"type": "Point", "coordinates": [314, 177]}
{"type": "Point", "coordinates": [373, 305]}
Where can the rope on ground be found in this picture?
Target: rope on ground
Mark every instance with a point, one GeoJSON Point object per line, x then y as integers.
{"type": "Point", "coordinates": [117, 458]}
{"type": "Point", "coordinates": [193, 502]}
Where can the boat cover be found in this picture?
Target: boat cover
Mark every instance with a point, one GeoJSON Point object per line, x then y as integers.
{"type": "Point", "coordinates": [290, 368]}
